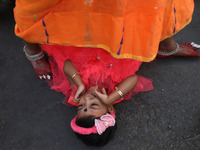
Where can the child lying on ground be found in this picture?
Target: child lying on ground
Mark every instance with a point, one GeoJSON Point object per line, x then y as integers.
{"type": "Point", "coordinates": [95, 120]}
{"type": "Point", "coordinates": [93, 80]}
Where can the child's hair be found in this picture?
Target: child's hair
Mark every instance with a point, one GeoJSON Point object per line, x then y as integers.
{"type": "Point", "coordinates": [94, 138]}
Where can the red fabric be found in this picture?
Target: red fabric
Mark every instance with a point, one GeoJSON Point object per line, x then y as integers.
{"type": "Point", "coordinates": [96, 66]}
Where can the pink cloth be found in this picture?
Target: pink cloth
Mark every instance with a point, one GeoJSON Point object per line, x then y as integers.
{"type": "Point", "coordinates": [96, 67]}
{"type": "Point", "coordinates": [104, 122]}
{"type": "Point", "coordinates": [107, 120]}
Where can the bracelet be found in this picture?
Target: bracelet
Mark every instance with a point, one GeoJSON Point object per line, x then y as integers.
{"type": "Point", "coordinates": [119, 92]}
{"type": "Point", "coordinates": [75, 75]}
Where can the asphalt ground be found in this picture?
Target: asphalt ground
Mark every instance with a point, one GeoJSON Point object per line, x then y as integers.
{"type": "Point", "coordinates": [32, 116]}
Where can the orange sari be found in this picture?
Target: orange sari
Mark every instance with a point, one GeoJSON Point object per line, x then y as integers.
{"type": "Point", "coordinates": [124, 28]}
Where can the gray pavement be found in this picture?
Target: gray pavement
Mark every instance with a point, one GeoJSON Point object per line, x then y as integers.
{"type": "Point", "coordinates": [32, 116]}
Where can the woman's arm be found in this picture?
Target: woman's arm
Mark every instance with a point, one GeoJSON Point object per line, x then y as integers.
{"type": "Point", "coordinates": [73, 77]}
{"type": "Point", "coordinates": [124, 86]}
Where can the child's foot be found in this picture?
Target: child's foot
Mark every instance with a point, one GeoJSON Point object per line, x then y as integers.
{"type": "Point", "coordinates": [186, 50]}
{"type": "Point", "coordinates": [40, 64]}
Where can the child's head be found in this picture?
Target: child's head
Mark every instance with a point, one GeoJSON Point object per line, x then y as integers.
{"type": "Point", "coordinates": [89, 105]}
{"type": "Point", "coordinates": [95, 121]}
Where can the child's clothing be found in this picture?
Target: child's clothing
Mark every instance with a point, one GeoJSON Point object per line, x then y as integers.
{"type": "Point", "coordinates": [96, 67]}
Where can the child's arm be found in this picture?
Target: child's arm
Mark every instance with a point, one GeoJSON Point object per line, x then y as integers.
{"type": "Point", "coordinates": [124, 86]}
{"type": "Point", "coordinates": [74, 78]}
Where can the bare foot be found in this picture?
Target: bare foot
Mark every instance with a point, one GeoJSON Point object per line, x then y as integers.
{"type": "Point", "coordinates": [40, 65]}
{"type": "Point", "coordinates": [186, 50]}
{"type": "Point", "coordinates": [169, 48]}
{"type": "Point", "coordinates": [42, 69]}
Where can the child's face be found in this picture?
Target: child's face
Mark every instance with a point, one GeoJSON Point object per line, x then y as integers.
{"type": "Point", "coordinates": [91, 105]}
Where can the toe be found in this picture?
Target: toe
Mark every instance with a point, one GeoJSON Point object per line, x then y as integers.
{"type": "Point", "coordinates": [40, 77]}
{"type": "Point", "coordinates": [44, 77]}
{"type": "Point", "coordinates": [49, 77]}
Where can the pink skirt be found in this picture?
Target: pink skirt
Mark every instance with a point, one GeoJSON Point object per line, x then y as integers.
{"type": "Point", "coordinates": [96, 67]}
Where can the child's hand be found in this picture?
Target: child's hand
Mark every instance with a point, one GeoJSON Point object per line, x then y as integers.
{"type": "Point", "coordinates": [102, 95]}
{"type": "Point", "coordinates": [79, 92]}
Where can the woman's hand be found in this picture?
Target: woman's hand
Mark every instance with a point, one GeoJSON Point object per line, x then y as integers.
{"type": "Point", "coordinates": [80, 90]}
{"type": "Point", "coordinates": [101, 94]}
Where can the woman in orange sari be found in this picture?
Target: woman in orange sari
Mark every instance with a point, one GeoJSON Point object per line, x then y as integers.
{"type": "Point", "coordinates": [133, 29]}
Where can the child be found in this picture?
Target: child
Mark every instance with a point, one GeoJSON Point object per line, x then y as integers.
{"type": "Point", "coordinates": [97, 81]}
{"type": "Point", "coordinates": [95, 104]}
{"type": "Point", "coordinates": [95, 121]}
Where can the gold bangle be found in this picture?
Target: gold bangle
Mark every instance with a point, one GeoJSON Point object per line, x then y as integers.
{"type": "Point", "coordinates": [75, 75]}
{"type": "Point", "coordinates": [119, 92]}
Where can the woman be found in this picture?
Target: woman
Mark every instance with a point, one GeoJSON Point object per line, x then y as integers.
{"type": "Point", "coordinates": [125, 28]}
